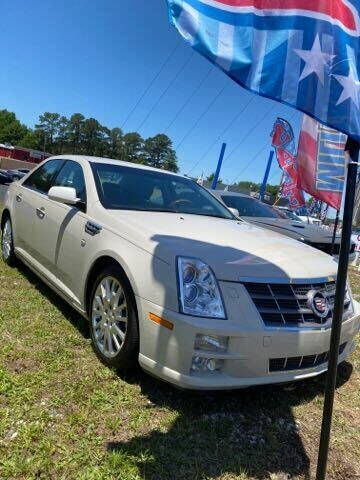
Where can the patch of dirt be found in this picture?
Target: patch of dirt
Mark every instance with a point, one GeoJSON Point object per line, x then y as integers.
{"type": "Point", "coordinates": [20, 365]}
{"type": "Point", "coordinates": [342, 468]}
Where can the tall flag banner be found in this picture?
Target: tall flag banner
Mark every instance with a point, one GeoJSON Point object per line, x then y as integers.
{"type": "Point", "coordinates": [284, 143]}
{"type": "Point", "coordinates": [304, 53]}
{"type": "Point", "coordinates": [324, 212]}
{"type": "Point", "coordinates": [315, 207]}
{"type": "Point", "coordinates": [321, 162]}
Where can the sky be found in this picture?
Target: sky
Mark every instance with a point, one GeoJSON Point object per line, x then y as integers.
{"type": "Point", "coordinates": [102, 58]}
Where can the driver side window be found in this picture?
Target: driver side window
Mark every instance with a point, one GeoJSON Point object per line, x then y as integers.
{"type": "Point", "coordinates": [42, 179]}
{"type": "Point", "coordinates": [71, 175]}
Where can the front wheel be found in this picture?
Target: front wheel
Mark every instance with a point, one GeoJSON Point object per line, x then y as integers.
{"type": "Point", "coordinates": [7, 243]}
{"type": "Point", "coordinates": [113, 320]}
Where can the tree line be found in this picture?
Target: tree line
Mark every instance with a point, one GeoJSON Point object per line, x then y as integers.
{"type": "Point", "coordinates": [57, 134]}
{"type": "Point", "coordinates": [246, 185]}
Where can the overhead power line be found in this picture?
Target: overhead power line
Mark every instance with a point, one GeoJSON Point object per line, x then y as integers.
{"type": "Point", "coordinates": [182, 68]}
{"type": "Point", "coordinates": [189, 99]}
{"type": "Point", "coordinates": [199, 118]}
{"type": "Point", "coordinates": [172, 53]}
{"type": "Point", "coordinates": [260, 151]}
{"type": "Point", "coordinates": [251, 161]}
{"type": "Point", "coordinates": [274, 175]}
{"type": "Point", "coordinates": [226, 129]}
{"type": "Point", "coordinates": [250, 131]}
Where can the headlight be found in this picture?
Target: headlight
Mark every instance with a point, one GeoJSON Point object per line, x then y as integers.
{"type": "Point", "coordinates": [198, 289]}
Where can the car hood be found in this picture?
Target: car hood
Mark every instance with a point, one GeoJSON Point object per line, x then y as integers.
{"type": "Point", "coordinates": [234, 250]}
{"type": "Point", "coordinates": [295, 229]}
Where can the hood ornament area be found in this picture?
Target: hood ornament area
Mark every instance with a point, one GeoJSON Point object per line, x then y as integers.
{"type": "Point", "coordinates": [319, 303]}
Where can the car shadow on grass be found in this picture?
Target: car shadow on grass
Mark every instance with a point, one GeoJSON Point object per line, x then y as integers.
{"type": "Point", "coordinates": [250, 431]}
{"type": "Point", "coordinates": [65, 309]}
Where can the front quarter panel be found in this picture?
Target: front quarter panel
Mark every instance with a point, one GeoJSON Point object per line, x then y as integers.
{"type": "Point", "coordinates": [150, 277]}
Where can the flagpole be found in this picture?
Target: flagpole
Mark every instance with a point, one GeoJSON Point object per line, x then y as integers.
{"type": "Point", "coordinates": [218, 168]}
{"type": "Point", "coordinates": [266, 176]}
{"type": "Point", "coordinates": [352, 147]}
{"type": "Point", "coordinates": [334, 232]}
{"type": "Point", "coordinates": [277, 198]}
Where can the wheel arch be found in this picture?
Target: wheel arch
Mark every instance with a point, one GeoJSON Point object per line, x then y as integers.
{"type": "Point", "coordinates": [99, 264]}
{"type": "Point", "coordinates": [4, 216]}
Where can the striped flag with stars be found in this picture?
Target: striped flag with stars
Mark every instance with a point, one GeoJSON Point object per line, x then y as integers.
{"type": "Point", "coordinates": [304, 53]}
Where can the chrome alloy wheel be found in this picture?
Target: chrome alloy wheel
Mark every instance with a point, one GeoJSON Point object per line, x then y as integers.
{"type": "Point", "coordinates": [7, 240]}
{"type": "Point", "coordinates": [109, 316]}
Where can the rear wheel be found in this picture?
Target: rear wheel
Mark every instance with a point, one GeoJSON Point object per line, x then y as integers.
{"type": "Point", "coordinates": [7, 243]}
{"type": "Point", "coordinates": [113, 320]}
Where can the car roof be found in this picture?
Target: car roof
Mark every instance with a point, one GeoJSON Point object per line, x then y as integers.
{"type": "Point", "coordinates": [232, 194]}
{"type": "Point", "coordinates": [286, 209]}
{"type": "Point", "coordinates": [110, 161]}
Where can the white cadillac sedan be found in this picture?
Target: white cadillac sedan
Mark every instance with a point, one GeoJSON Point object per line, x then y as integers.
{"type": "Point", "coordinates": [169, 278]}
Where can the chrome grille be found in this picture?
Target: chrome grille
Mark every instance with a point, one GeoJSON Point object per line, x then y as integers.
{"type": "Point", "coordinates": [300, 363]}
{"type": "Point", "coordinates": [284, 305]}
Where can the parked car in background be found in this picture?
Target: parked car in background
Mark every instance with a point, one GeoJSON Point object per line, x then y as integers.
{"type": "Point", "coordinates": [9, 176]}
{"type": "Point", "coordinates": [5, 178]}
{"type": "Point", "coordinates": [289, 213]}
{"type": "Point", "coordinates": [355, 237]}
{"type": "Point", "coordinates": [266, 216]}
{"type": "Point", "coordinates": [310, 220]}
{"type": "Point", "coordinates": [168, 277]}
{"type": "Point", "coordinates": [16, 174]}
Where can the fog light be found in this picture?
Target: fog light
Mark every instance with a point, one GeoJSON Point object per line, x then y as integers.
{"type": "Point", "coordinates": [200, 364]}
{"type": "Point", "coordinates": [211, 343]}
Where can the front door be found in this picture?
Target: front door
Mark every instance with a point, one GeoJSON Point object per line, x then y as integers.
{"type": "Point", "coordinates": [58, 231]}
{"type": "Point", "coordinates": [27, 197]}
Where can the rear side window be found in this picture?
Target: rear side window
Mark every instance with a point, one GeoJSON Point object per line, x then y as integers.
{"type": "Point", "coordinates": [71, 175]}
{"type": "Point", "coordinates": [41, 180]}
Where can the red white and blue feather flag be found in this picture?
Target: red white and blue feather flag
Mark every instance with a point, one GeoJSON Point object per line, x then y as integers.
{"type": "Point", "coordinates": [304, 53]}
{"type": "Point", "coordinates": [283, 141]}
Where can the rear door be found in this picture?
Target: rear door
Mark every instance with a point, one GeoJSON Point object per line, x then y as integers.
{"type": "Point", "coordinates": [28, 196]}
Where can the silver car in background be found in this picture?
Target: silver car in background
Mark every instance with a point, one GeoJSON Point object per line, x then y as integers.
{"type": "Point", "coordinates": [253, 211]}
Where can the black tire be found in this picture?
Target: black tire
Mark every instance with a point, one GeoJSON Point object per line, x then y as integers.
{"type": "Point", "coordinates": [7, 244]}
{"type": "Point", "coordinates": [127, 358]}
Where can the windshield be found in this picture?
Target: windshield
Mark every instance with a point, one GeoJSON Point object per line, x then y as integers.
{"type": "Point", "coordinates": [249, 207]}
{"type": "Point", "coordinates": [128, 188]}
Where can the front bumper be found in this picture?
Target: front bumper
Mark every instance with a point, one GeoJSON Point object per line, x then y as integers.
{"type": "Point", "coordinates": [168, 354]}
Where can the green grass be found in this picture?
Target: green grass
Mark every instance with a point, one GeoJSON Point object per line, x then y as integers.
{"type": "Point", "coordinates": [63, 415]}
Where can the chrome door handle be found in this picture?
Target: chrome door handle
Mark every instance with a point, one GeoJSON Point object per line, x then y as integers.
{"type": "Point", "coordinates": [18, 197]}
{"type": "Point", "coordinates": [40, 212]}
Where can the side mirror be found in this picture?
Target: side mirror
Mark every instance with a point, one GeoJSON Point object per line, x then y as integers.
{"type": "Point", "coordinates": [234, 211]}
{"type": "Point", "coordinates": [65, 195]}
